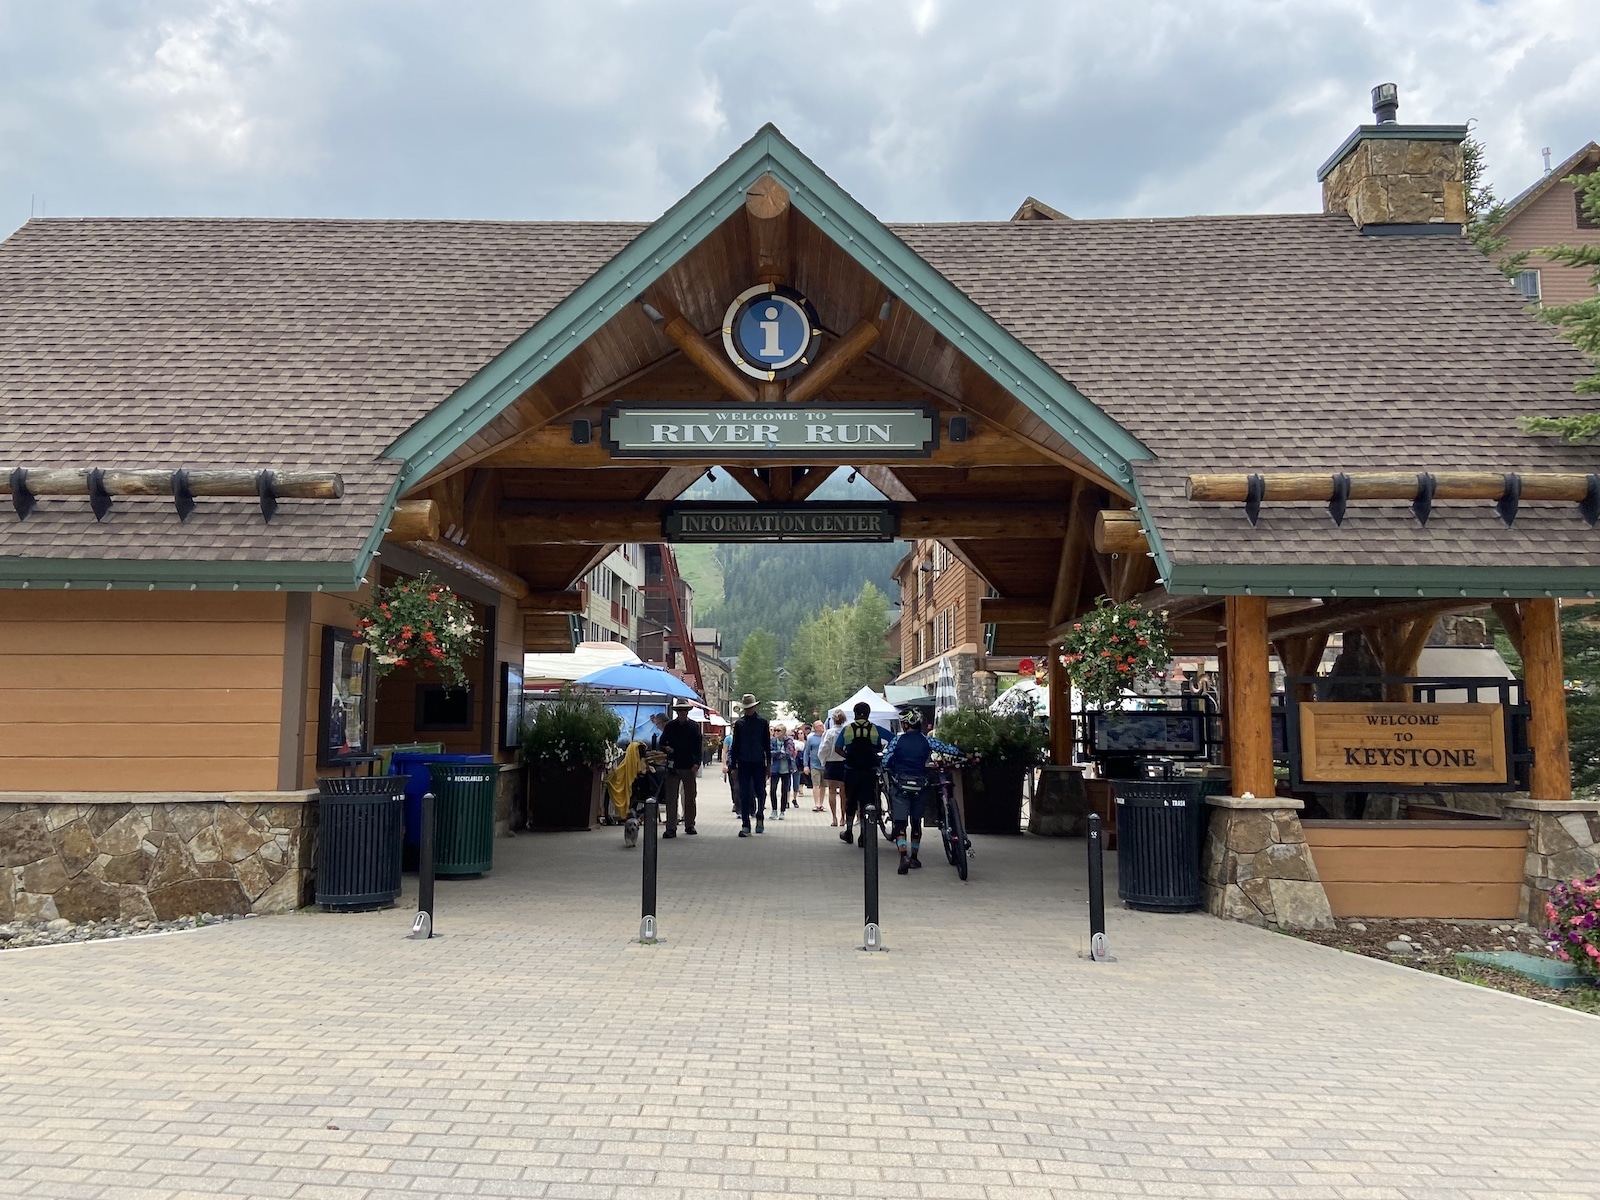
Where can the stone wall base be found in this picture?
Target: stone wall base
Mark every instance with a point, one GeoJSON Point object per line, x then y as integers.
{"type": "Point", "coordinates": [91, 856]}
{"type": "Point", "coordinates": [1257, 868]}
{"type": "Point", "coordinates": [1563, 844]}
{"type": "Point", "coordinates": [508, 793]}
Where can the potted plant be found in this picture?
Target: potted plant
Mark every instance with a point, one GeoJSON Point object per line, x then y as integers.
{"type": "Point", "coordinates": [999, 748]}
{"type": "Point", "coordinates": [1109, 651]}
{"type": "Point", "coordinates": [565, 745]}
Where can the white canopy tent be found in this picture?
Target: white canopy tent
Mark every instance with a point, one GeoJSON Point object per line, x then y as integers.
{"type": "Point", "coordinates": [1017, 697]}
{"type": "Point", "coordinates": [882, 711]}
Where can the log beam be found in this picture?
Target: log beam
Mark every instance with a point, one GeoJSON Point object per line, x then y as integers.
{"type": "Point", "coordinates": [747, 478]}
{"type": "Point", "coordinates": [480, 570]}
{"type": "Point", "coordinates": [1119, 531]}
{"type": "Point", "coordinates": [552, 602]}
{"type": "Point", "coordinates": [1550, 777]}
{"type": "Point", "coordinates": [706, 357]}
{"type": "Point", "coordinates": [1004, 610]}
{"type": "Point", "coordinates": [1389, 485]}
{"type": "Point", "coordinates": [1249, 712]}
{"type": "Point", "coordinates": [808, 483]}
{"type": "Point", "coordinates": [414, 521]}
{"type": "Point", "coordinates": [1339, 615]}
{"type": "Point", "coordinates": [766, 208]}
{"type": "Point", "coordinates": [203, 481]}
{"type": "Point", "coordinates": [834, 361]}
{"type": "Point", "coordinates": [599, 522]}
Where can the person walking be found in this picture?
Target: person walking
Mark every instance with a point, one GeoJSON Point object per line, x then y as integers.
{"type": "Point", "coordinates": [862, 744]}
{"type": "Point", "coordinates": [905, 767]}
{"type": "Point", "coordinates": [751, 755]}
{"type": "Point", "coordinates": [682, 741]}
{"type": "Point", "coordinates": [814, 764]}
{"type": "Point", "coordinates": [833, 766]}
{"type": "Point", "coordinates": [782, 770]}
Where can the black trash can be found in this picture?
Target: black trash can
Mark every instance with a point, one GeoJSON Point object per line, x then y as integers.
{"type": "Point", "coordinates": [463, 839]}
{"type": "Point", "coordinates": [1160, 831]}
{"type": "Point", "coordinates": [358, 842]}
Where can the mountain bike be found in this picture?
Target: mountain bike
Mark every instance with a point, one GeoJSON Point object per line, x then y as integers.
{"type": "Point", "coordinates": [957, 845]}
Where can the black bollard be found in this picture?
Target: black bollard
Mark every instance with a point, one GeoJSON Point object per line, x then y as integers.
{"type": "Point", "coordinates": [647, 906]}
{"type": "Point", "coordinates": [422, 927]}
{"type": "Point", "coordinates": [872, 939]}
{"type": "Point", "coordinates": [1098, 951]}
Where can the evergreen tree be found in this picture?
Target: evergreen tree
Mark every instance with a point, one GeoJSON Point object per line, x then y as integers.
{"type": "Point", "coordinates": [1580, 322]}
{"type": "Point", "coordinates": [757, 672]}
{"type": "Point", "coordinates": [869, 630]}
{"type": "Point", "coordinates": [838, 650]}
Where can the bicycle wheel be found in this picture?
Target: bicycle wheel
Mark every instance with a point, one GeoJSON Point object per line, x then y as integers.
{"type": "Point", "coordinates": [945, 830]}
{"type": "Point", "coordinates": [958, 841]}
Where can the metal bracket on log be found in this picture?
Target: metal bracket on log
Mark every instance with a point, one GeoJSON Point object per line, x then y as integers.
{"type": "Point", "coordinates": [100, 485]}
{"type": "Point", "coordinates": [1422, 506]}
{"type": "Point", "coordinates": [22, 498]}
{"type": "Point", "coordinates": [1508, 490]}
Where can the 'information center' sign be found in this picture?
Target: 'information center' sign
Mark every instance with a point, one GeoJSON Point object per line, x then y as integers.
{"type": "Point", "coordinates": [691, 431]}
{"type": "Point", "coordinates": [810, 522]}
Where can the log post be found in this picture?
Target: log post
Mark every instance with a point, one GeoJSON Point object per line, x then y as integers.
{"type": "Point", "coordinates": [766, 206]}
{"type": "Point", "coordinates": [1060, 709]}
{"type": "Point", "coordinates": [1551, 775]}
{"type": "Point", "coordinates": [1249, 714]}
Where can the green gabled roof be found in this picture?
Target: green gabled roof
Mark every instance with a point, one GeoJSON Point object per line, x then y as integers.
{"type": "Point", "coordinates": [622, 281]}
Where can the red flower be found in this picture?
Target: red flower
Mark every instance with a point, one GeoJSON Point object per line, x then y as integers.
{"type": "Point", "coordinates": [400, 663]}
{"type": "Point", "coordinates": [428, 636]}
{"type": "Point", "coordinates": [1133, 624]}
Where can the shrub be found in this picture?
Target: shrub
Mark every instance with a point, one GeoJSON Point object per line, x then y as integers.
{"type": "Point", "coordinates": [1004, 737]}
{"type": "Point", "coordinates": [576, 729]}
{"type": "Point", "coordinates": [1574, 913]}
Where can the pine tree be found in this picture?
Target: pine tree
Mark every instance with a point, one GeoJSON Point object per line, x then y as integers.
{"type": "Point", "coordinates": [1579, 323]}
{"type": "Point", "coordinates": [757, 671]}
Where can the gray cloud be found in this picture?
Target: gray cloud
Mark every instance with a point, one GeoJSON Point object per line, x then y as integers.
{"type": "Point", "coordinates": [925, 110]}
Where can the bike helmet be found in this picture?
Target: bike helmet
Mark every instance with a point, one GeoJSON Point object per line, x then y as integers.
{"type": "Point", "coordinates": [910, 718]}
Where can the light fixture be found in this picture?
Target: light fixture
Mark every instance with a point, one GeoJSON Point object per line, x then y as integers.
{"type": "Point", "coordinates": [651, 311]}
{"type": "Point", "coordinates": [852, 478]}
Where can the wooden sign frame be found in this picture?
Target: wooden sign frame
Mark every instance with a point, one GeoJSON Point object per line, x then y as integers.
{"type": "Point", "coordinates": [1480, 692]}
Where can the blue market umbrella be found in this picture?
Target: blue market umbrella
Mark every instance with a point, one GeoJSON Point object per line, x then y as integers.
{"type": "Point", "coordinates": [638, 677]}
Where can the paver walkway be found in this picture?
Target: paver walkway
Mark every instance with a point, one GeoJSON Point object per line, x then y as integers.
{"type": "Point", "coordinates": [533, 1051]}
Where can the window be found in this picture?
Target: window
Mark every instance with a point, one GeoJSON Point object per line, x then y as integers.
{"type": "Point", "coordinates": [1528, 284]}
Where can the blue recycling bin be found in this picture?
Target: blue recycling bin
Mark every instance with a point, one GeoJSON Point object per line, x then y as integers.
{"type": "Point", "coordinates": [414, 766]}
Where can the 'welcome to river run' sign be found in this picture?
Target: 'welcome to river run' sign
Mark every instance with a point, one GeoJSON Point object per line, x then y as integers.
{"type": "Point", "coordinates": [690, 431]}
{"type": "Point", "coordinates": [1402, 743]}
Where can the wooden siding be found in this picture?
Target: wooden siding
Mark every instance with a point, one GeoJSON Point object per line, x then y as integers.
{"type": "Point", "coordinates": [1552, 220]}
{"type": "Point", "coordinates": [1450, 869]}
{"type": "Point", "coordinates": [141, 691]}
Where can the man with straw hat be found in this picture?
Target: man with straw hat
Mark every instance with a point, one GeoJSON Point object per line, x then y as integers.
{"type": "Point", "coordinates": [681, 740]}
{"type": "Point", "coordinates": [751, 756]}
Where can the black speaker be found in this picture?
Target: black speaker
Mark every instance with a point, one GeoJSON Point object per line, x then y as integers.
{"type": "Point", "coordinates": [582, 432]}
{"type": "Point", "coordinates": [958, 429]}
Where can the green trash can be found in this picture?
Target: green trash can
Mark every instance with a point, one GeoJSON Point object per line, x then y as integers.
{"type": "Point", "coordinates": [463, 818]}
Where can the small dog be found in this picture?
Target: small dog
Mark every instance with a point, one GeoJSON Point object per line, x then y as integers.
{"type": "Point", "coordinates": [645, 785]}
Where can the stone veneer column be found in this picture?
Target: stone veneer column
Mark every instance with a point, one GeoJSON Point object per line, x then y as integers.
{"type": "Point", "coordinates": [1256, 865]}
{"type": "Point", "coordinates": [1563, 844]}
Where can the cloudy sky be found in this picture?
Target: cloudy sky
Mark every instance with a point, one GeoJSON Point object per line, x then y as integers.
{"type": "Point", "coordinates": [924, 109]}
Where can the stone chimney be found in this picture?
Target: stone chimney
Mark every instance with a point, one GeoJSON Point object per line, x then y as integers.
{"type": "Point", "coordinates": [1398, 180]}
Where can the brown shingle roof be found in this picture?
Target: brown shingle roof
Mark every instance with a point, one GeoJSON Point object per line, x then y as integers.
{"type": "Point", "coordinates": [262, 343]}
{"type": "Point", "coordinates": [1242, 343]}
{"type": "Point", "coordinates": [1291, 342]}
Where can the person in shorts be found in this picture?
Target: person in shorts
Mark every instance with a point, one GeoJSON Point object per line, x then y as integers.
{"type": "Point", "coordinates": [907, 758]}
{"type": "Point", "coordinates": [832, 766]}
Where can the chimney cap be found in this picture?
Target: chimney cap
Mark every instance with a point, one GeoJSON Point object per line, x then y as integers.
{"type": "Point", "coordinates": [1385, 103]}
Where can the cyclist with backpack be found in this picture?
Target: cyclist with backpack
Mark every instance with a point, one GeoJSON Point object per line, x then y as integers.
{"type": "Point", "coordinates": [861, 743]}
{"type": "Point", "coordinates": [905, 766]}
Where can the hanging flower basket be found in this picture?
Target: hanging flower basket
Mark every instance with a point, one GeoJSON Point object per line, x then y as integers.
{"type": "Point", "coordinates": [1114, 647]}
{"type": "Point", "coordinates": [419, 623]}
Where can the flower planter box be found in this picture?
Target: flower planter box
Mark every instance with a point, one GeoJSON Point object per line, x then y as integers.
{"type": "Point", "coordinates": [561, 798]}
{"type": "Point", "coordinates": [991, 797]}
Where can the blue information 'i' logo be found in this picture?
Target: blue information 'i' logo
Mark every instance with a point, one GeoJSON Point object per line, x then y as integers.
{"type": "Point", "coordinates": [771, 332]}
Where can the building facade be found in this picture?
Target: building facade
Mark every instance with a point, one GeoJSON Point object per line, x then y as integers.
{"type": "Point", "coordinates": [941, 616]}
{"type": "Point", "coordinates": [1550, 213]}
{"type": "Point", "coordinates": [612, 591]}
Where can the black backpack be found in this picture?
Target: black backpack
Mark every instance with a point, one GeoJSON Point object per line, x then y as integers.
{"type": "Point", "coordinates": [862, 743]}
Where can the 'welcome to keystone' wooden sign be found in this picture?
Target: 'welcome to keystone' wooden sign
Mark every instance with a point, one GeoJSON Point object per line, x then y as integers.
{"type": "Point", "coordinates": [691, 431]}
{"type": "Point", "coordinates": [1403, 743]}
